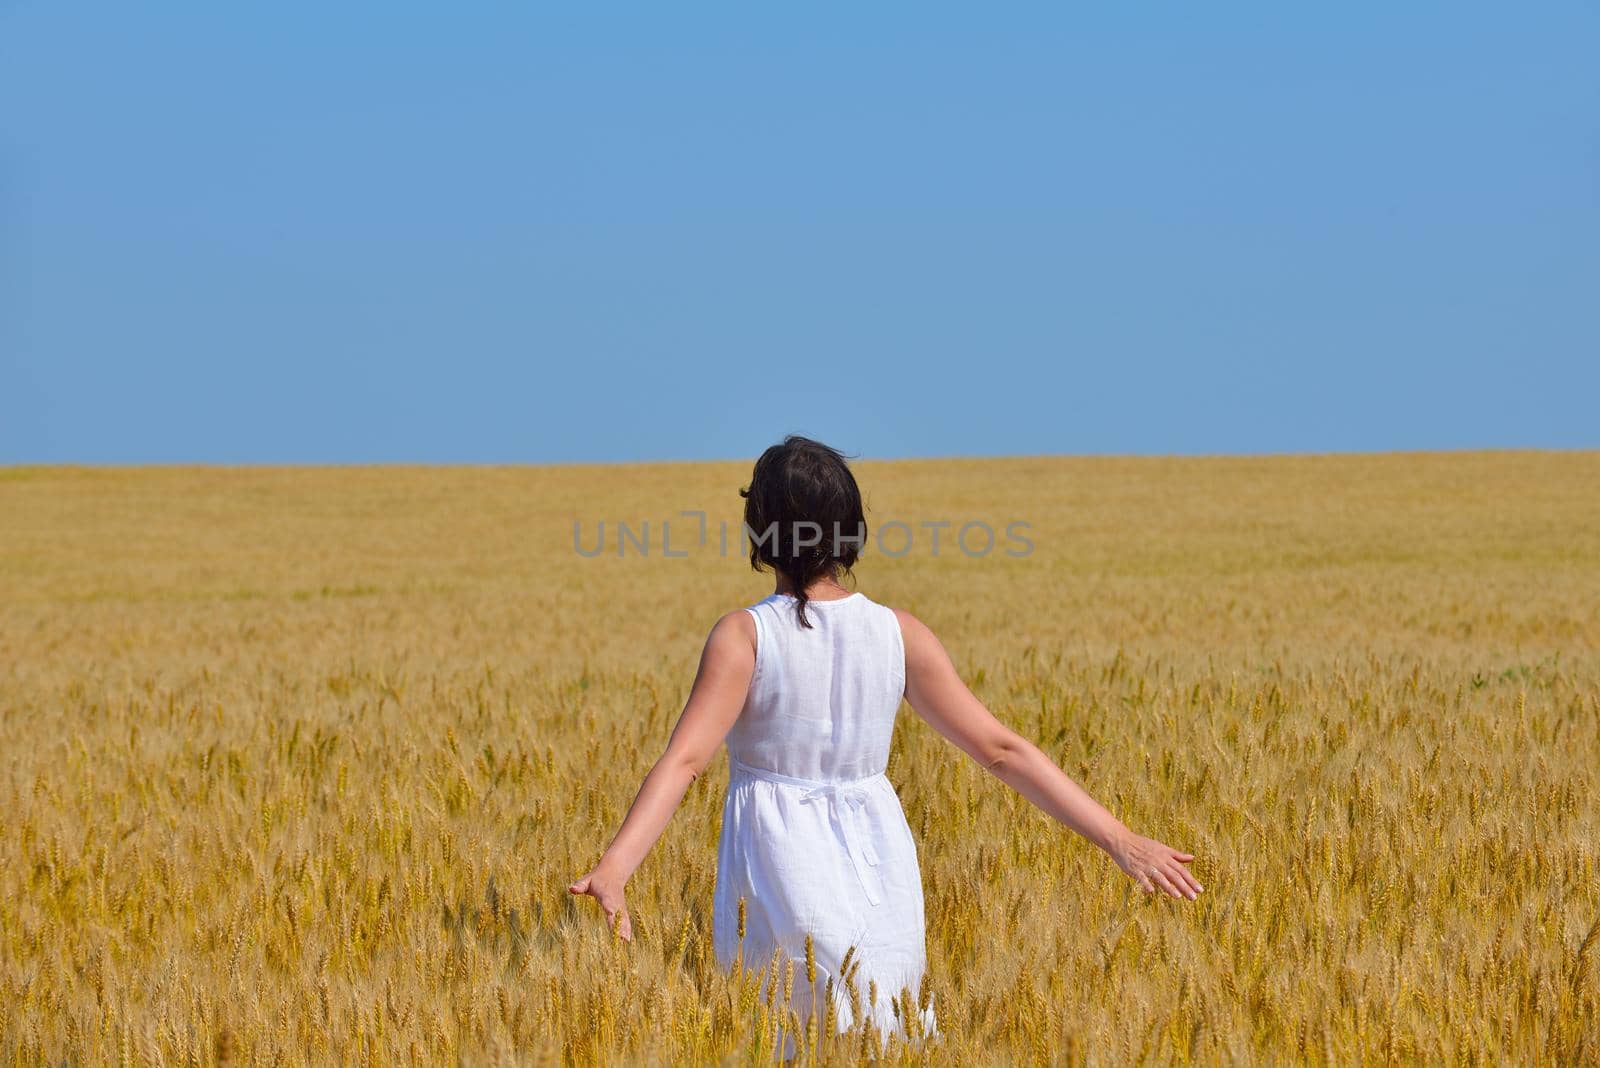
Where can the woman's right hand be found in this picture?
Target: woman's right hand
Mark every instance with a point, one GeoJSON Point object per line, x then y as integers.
{"type": "Point", "coordinates": [610, 892]}
{"type": "Point", "coordinates": [1155, 866]}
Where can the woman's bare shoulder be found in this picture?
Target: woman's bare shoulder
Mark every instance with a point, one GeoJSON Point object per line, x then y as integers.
{"type": "Point", "coordinates": [735, 625]}
{"type": "Point", "coordinates": [913, 631]}
{"type": "Point", "coordinates": [737, 619]}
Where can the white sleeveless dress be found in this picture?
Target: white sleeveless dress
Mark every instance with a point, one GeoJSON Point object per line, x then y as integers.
{"type": "Point", "coordinates": [813, 835]}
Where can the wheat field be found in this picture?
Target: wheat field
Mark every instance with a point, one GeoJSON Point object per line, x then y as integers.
{"type": "Point", "coordinates": [297, 763]}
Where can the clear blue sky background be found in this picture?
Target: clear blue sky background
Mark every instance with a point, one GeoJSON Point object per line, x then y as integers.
{"type": "Point", "coordinates": [505, 233]}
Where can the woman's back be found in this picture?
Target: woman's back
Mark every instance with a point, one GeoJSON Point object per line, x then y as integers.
{"type": "Point", "coordinates": [823, 699]}
{"type": "Point", "coordinates": [813, 836]}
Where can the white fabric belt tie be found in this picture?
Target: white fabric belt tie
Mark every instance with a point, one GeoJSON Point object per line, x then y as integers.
{"type": "Point", "coordinates": [845, 800]}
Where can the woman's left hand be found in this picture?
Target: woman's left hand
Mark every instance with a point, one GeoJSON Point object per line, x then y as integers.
{"type": "Point", "coordinates": [599, 885]}
{"type": "Point", "coordinates": [1156, 867]}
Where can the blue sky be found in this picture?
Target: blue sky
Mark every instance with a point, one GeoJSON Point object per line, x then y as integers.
{"type": "Point", "coordinates": [361, 233]}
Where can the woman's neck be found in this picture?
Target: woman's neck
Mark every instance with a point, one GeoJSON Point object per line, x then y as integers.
{"type": "Point", "coordinates": [826, 588]}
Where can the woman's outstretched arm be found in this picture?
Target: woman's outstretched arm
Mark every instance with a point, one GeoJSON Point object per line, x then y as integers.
{"type": "Point", "coordinates": [718, 694]}
{"type": "Point", "coordinates": [938, 695]}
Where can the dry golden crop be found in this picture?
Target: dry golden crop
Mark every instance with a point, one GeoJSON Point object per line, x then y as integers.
{"type": "Point", "coordinates": [296, 764]}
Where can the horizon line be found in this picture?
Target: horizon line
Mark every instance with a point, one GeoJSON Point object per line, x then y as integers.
{"type": "Point", "coordinates": [77, 465]}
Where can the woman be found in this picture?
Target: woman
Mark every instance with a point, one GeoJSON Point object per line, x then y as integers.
{"type": "Point", "coordinates": [804, 687]}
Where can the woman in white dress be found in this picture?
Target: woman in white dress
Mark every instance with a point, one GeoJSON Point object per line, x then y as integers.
{"type": "Point", "coordinates": [804, 687]}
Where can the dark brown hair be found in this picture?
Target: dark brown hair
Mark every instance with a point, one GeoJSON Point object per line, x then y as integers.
{"type": "Point", "coordinates": [803, 514]}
